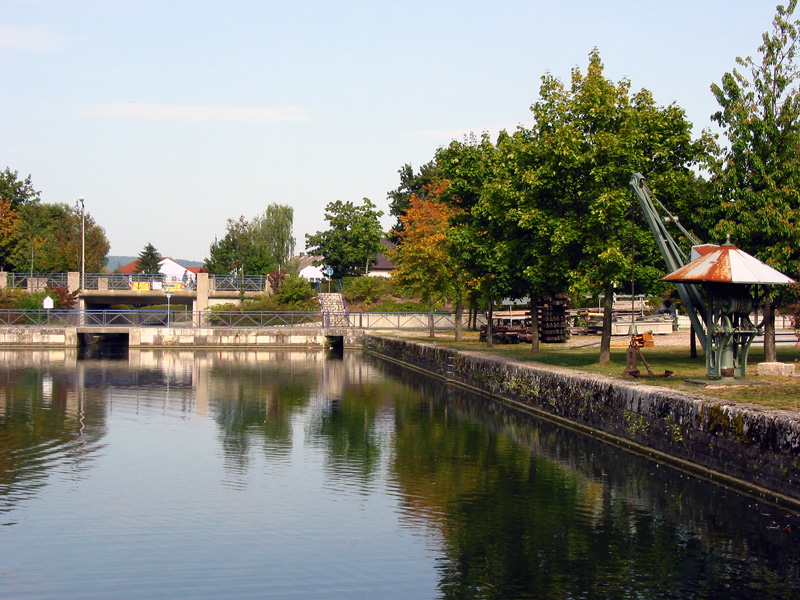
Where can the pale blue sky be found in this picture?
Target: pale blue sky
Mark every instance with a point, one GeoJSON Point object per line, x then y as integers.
{"type": "Point", "coordinates": [169, 117]}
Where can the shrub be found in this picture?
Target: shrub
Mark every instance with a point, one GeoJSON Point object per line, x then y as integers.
{"type": "Point", "coordinates": [391, 305]}
{"type": "Point", "coordinates": [293, 293]}
{"type": "Point", "coordinates": [296, 292]}
{"type": "Point", "coordinates": [366, 289]}
{"type": "Point", "coordinates": [12, 298]}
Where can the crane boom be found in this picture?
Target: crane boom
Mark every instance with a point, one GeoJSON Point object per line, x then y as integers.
{"type": "Point", "coordinates": [673, 256]}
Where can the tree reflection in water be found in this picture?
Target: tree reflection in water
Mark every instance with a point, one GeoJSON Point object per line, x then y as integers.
{"type": "Point", "coordinates": [509, 506]}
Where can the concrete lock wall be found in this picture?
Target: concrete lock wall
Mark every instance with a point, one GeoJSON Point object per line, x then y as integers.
{"type": "Point", "coordinates": [215, 337]}
{"type": "Point", "coordinates": [165, 337]}
{"type": "Point", "coordinates": [744, 446]}
{"type": "Point", "coordinates": [39, 336]}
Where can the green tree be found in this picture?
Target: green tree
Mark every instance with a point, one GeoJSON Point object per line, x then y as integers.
{"type": "Point", "coordinates": [149, 261]}
{"type": "Point", "coordinates": [17, 191]}
{"type": "Point", "coordinates": [229, 255]}
{"type": "Point", "coordinates": [480, 247]}
{"type": "Point", "coordinates": [411, 184]}
{"type": "Point", "coordinates": [272, 240]}
{"type": "Point", "coordinates": [255, 247]}
{"type": "Point", "coordinates": [352, 240]}
{"type": "Point", "coordinates": [587, 140]}
{"type": "Point", "coordinates": [14, 194]}
{"type": "Point", "coordinates": [757, 178]}
{"type": "Point", "coordinates": [47, 239]}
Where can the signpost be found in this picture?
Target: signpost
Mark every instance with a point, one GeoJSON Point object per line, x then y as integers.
{"type": "Point", "coordinates": [47, 304]}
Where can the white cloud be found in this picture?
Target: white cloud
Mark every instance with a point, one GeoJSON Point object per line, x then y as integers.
{"type": "Point", "coordinates": [26, 39]}
{"type": "Point", "coordinates": [161, 112]}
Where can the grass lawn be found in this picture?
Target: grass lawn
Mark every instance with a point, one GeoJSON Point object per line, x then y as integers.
{"type": "Point", "coordinates": [772, 392]}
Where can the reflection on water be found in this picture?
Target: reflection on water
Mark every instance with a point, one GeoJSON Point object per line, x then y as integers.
{"type": "Point", "coordinates": [305, 474]}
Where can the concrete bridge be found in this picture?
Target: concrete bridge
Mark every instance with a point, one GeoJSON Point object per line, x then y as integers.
{"type": "Point", "coordinates": [103, 290]}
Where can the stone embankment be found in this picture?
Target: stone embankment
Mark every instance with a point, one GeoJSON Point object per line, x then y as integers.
{"type": "Point", "coordinates": [742, 446]}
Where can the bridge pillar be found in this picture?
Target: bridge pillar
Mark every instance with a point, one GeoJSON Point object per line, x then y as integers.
{"type": "Point", "coordinates": [73, 281]}
{"type": "Point", "coordinates": [201, 299]}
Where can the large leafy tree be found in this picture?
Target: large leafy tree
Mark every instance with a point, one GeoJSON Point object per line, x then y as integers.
{"type": "Point", "coordinates": [478, 242]}
{"type": "Point", "coordinates": [411, 184]}
{"type": "Point", "coordinates": [149, 260]}
{"type": "Point", "coordinates": [16, 191]}
{"type": "Point", "coordinates": [14, 194]}
{"type": "Point", "coordinates": [254, 247]}
{"type": "Point", "coordinates": [9, 222]}
{"type": "Point", "coordinates": [273, 242]}
{"type": "Point", "coordinates": [352, 240]}
{"type": "Point", "coordinates": [757, 178]}
{"type": "Point", "coordinates": [588, 139]}
{"type": "Point", "coordinates": [47, 239]}
{"type": "Point", "coordinates": [424, 264]}
{"type": "Point", "coordinates": [535, 233]}
{"type": "Point", "coordinates": [229, 255]}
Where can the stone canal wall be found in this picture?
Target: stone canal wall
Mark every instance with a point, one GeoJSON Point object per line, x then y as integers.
{"type": "Point", "coordinates": [743, 446]}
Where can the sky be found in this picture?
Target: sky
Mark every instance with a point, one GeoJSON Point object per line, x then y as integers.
{"type": "Point", "coordinates": [170, 117]}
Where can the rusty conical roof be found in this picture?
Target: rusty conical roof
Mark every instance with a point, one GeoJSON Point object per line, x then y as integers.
{"type": "Point", "coordinates": [727, 264]}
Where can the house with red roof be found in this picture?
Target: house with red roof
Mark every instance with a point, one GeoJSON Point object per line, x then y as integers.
{"type": "Point", "coordinates": [173, 271]}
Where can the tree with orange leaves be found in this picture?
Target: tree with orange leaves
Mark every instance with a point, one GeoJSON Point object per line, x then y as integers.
{"type": "Point", "coordinates": [424, 266]}
{"type": "Point", "coordinates": [9, 221]}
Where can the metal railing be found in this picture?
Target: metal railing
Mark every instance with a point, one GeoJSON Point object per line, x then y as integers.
{"type": "Point", "coordinates": [221, 319]}
{"type": "Point", "coordinates": [118, 281]}
{"type": "Point", "coordinates": [381, 320]}
{"type": "Point", "coordinates": [138, 282]}
{"type": "Point", "coordinates": [237, 283]}
{"type": "Point", "coordinates": [36, 281]}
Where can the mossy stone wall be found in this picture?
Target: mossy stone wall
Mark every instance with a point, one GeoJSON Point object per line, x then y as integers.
{"type": "Point", "coordinates": [746, 446]}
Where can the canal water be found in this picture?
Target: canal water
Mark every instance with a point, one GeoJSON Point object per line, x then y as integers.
{"type": "Point", "coordinates": [278, 474]}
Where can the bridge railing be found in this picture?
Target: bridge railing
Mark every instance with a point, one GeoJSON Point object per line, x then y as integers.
{"type": "Point", "coordinates": [35, 281]}
{"type": "Point", "coordinates": [237, 283]}
{"type": "Point", "coordinates": [258, 319]}
{"type": "Point", "coordinates": [221, 319]}
{"type": "Point", "coordinates": [120, 281]}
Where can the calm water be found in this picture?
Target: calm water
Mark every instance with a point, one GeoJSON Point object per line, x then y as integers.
{"type": "Point", "coordinates": [302, 475]}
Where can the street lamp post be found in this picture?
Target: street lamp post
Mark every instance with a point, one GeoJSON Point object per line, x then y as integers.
{"type": "Point", "coordinates": [83, 244]}
{"type": "Point", "coordinates": [168, 294]}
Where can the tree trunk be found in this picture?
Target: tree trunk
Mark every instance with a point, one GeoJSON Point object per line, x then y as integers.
{"type": "Point", "coordinates": [770, 354]}
{"type": "Point", "coordinates": [489, 324]}
{"type": "Point", "coordinates": [472, 319]}
{"type": "Point", "coordinates": [534, 307]}
{"type": "Point", "coordinates": [432, 333]}
{"type": "Point", "coordinates": [605, 338]}
{"type": "Point", "coordinates": [458, 316]}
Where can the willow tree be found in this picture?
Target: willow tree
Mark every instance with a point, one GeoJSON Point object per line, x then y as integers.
{"type": "Point", "coordinates": [256, 246]}
{"type": "Point", "coordinates": [758, 177]}
{"type": "Point", "coordinates": [586, 141]}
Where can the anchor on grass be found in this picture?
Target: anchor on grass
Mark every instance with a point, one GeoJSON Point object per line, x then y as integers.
{"type": "Point", "coordinates": [634, 353]}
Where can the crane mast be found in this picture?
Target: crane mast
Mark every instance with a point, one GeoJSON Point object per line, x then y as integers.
{"type": "Point", "coordinates": [674, 257]}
